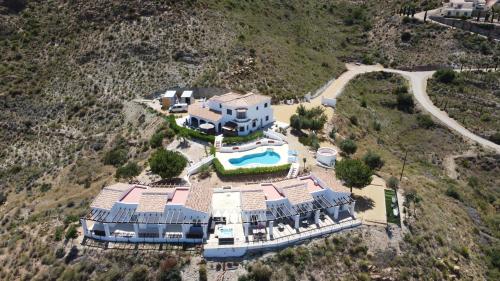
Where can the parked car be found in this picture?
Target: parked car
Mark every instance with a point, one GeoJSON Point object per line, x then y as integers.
{"type": "Point", "coordinates": [179, 107]}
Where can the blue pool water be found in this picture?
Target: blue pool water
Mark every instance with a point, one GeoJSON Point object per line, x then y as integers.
{"type": "Point", "coordinates": [267, 157]}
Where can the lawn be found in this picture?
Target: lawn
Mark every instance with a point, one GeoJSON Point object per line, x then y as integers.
{"type": "Point", "coordinates": [389, 193]}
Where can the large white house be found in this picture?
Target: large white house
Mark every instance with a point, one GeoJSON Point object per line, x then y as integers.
{"type": "Point", "coordinates": [462, 8]}
{"type": "Point", "coordinates": [232, 113]}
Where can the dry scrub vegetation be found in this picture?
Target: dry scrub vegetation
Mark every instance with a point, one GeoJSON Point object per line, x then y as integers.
{"type": "Point", "coordinates": [71, 68]}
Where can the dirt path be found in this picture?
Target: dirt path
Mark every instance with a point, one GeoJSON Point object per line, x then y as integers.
{"type": "Point", "coordinates": [418, 85]}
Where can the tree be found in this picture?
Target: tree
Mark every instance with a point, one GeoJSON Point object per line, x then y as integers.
{"type": "Point", "coordinates": [183, 136]}
{"type": "Point", "coordinates": [425, 16]}
{"type": "Point", "coordinates": [296, 122]}
{"type": "Point", "coordinates": [128, 171]}
{"type": "Point", "coordinates": [156, 139]}
{"type": "Point", "coordinates": [445, 75]}
{"type": "Point", "coordinates": [373, 160]}
{"type": "Point", "coordinates": [353, 172]}
{"type": "Point", "coordinates": [116, 157]}
{"type": "Point", "coordinates": [405, 102]}
{"type": "Point", "coordinates": [348, 146]}
{"type": "Point", "coordinates": [166, 163]}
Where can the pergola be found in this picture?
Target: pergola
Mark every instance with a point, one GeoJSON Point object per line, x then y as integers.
{"type": "Point", "coordinates": [127, 215]}
{"type": "Point", "coordinates": [319, 203]}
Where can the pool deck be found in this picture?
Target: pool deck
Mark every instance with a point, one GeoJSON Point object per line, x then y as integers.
{"type": "Point", "coordinates": [224, 157]}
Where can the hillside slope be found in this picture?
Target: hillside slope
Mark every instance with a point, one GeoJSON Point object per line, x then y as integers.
{"type": "Point", "coordinates": [70, 69]}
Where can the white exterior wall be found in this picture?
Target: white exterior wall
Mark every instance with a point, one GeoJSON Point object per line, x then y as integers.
{"type": "Point", "coordinates": [252, 113]}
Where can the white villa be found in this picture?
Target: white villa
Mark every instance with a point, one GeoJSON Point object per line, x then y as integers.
{"type": "Point", "coordinates": [232, 113]}
{"type": "Point", "coordinates": [459, 8]}
{"type": "Point", "coordinates": [228, 221]}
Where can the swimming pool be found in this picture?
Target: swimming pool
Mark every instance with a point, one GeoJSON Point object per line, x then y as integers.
{"type": "Point", "coordinates": [267, 157]}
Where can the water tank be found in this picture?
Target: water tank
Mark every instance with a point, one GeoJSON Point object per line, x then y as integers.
{"type": "Point", "coordinates": [326, 156]}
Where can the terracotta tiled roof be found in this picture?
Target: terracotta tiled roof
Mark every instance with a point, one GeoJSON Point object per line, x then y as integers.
{"type": "Point", "coordinates": [197, 110]}
{"type": "Point", "coordinates": [253, 200]}
{"type": "Point", "coordinates": [109, 195]}
{"type": "Point", "coordinates": [199, 198]}
{"type": "Point", "coordinates": [226, 97]}
{"type": "Point", "coordinates": [154, 200]}
{"type": "Point", "coordinates": [297, 194]}
{"type": "Point", "coordinates": [236, 100]}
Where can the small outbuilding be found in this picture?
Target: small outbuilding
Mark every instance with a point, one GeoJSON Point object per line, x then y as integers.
{"type": "Point", "coordinates": [187, 97]}
{"type": "Point", "coordinates": [168, 98]}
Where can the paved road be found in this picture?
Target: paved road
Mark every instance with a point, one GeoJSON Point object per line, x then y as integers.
{"type": "Point", "coordinates": [418, 86]}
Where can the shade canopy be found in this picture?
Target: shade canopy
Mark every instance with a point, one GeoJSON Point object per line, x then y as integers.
{"type": "Point", "coordinates": [206, 126]}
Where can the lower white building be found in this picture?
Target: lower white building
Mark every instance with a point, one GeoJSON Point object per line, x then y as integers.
{"type": "Point", "coordinates": [228, 221]}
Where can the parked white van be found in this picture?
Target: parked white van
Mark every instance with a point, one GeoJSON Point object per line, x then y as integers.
{"type": "Point", "coordinates": [178, 107]}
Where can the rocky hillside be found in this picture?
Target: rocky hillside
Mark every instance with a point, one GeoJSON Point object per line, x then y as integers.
{"type": "Point", "coordinates": [70, 69]}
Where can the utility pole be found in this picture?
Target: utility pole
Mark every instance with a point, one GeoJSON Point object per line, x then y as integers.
{"type": "Point", "coordinates": [404, 164]}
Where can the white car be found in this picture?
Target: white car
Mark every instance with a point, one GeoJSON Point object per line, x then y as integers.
{"type": "Point", "coordinates": [179, 107]}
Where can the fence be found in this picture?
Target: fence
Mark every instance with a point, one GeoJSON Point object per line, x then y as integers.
{"type": "Point", "coordinates": [485, 29]}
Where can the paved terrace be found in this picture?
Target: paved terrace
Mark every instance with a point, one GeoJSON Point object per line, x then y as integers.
{"type": "Point", "coordinates": [287, 236]}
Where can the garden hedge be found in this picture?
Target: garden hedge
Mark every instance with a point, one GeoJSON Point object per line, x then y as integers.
{"type": "Point", "coordinates": [192, 133]}
{"type": "Point", "coordinates": [240, 139]}
{"type": "Point", "coordinates": [248, 171]}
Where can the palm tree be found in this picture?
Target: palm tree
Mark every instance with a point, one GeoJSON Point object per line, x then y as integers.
{"type": "Point", "coordinates": [183, 136]}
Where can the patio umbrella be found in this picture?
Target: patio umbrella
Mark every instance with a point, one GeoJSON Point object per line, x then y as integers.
{"type": "Point", "coordinates": [206, 126]}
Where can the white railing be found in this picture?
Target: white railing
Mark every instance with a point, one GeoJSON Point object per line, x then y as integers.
{"type": "Point", "coordinates": [274, 135]}
{"type": "Point", "coordinates": [252, 145]}
{"type": "Point", "coordinates": [196, 167]}
{"type": "Point", "coordinates": [216, 250]}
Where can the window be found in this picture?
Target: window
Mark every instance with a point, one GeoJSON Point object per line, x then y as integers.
{"type": "Point", "coordinates": [220, 105]}
{"type": "Point", "coordinates": [257, 108]}
{"type": "Point", "coordinates": [242, 129]}
{"type": "Point", "coordinates": [254, 123]}
{"type": "Point", "coordinates": [229, 112]}
{"type": "Point", "coordinates": [265, 105]}
{"type": "Point", "coordinates": [267, 118]}
{"type": "Point", "coordinates": [241, 115]}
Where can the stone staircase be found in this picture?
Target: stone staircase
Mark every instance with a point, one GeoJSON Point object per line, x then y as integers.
{"type": "Point", "coordinates": [294, 171]}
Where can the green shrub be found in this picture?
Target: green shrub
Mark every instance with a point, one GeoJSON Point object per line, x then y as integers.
{"type": "Point", "coordinates": [332, 134]}
{"type": "Point", "coordinates": [425, 121]}
{"type": "Point", "coordinates": [43, 188]}
{"type": "Point", "coordinates": [128, 171]}
{"type": "Point", "coordinates": [138, 273]}
{"type": "Point", "coordinates": [446, 75]}
{"type": "Point", "coordinates": [156, 139]}
{"type": "Point", "coordinates": [203, 272]}
{"type": "Point", "coordinates": [348, 146]}
{"type": "Point", "coordinates": [248, 171]}
{"type": "Point", "coordinates": [71, 233]}
{"type": "Point", "coordinates": [115, 157]}
{"type": "Point", "coordinates": [376, 125]}
{"type": "Point", "coordinates": [167, 164]}
{"type": "Point", "coordinates": [406, 36]}
{"type": "Point", "coordinates": [59, 233]}
{"type": "Point", "coordinates": [354, 120]}
{"type": "Point", "coordinates": [3, 197]}
{"type": "Point", "coordinates": [452, 192]}
{"type": "Point", "coordinates": [312, 119]}
{"type": "Point", "coordinates": [243, 139]}
{"type": "Point", "coordinates": [405, 102]}
{"type": "Point", "coordinates": [393, 183]}
{"type": "Point", "coordinates": [373, 160]}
